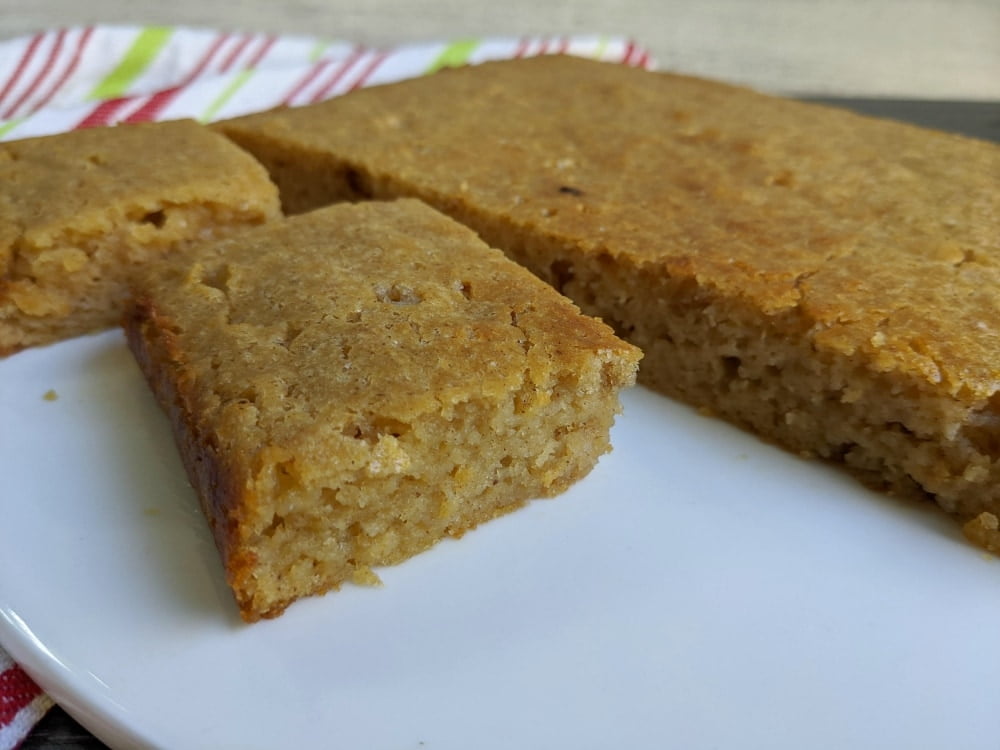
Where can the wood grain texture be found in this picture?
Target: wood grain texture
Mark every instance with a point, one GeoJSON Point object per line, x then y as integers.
{"type": "Point", "coordinates": [918, 49]}
{"type": "Point", "coordinates": [58, 731]}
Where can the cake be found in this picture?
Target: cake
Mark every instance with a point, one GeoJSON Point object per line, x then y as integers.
{"type": "Point", "coordinates": [351, 385]}
{"type": "Point", "coordinates": [80, 210]}
{"type": "Point", "coordinates": [827, 280]}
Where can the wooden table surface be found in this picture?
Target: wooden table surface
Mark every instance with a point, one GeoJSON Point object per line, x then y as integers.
{"type": "Point", "coordinates": [862, 50]}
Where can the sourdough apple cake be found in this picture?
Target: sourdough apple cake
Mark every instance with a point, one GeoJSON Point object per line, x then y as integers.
{"type": "Point", "coordinates": [351, 385]}
{"type": "Point", "coordinates": [827, 280]}
{"type": "Point", "coordinates": [80, 210]}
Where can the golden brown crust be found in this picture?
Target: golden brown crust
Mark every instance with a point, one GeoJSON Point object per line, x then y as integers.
{"type": "Point", "coordinates": [350, 386]}
{"type": "Point", "coordinates": [783, 203]}
{"type": "Point", "coordinates": [824, 278]}
{"type": "Point", "coordinates": [153, 341]}
{"type": "Point", "coordinates": [79, 211]}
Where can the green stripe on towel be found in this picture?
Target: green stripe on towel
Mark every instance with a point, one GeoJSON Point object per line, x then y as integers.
{"type": "Point", "coordinates": [456, 53]}
{"type": "Point", "coordinates": [227, 93]}
{"type": "Point", "coordinates": [143, 51]}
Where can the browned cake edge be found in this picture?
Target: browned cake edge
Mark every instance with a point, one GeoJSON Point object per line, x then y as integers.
{"type": "Point", "coordinates": [227, 499]}
{"type": "Point", "coordinates": [87, 295]}
{"type": "Point", "coordinates": [151, 339]}
{"type": "Point", "coordinates": [230, 499]}
{"type": "Point", "coordinates": [868, 435]}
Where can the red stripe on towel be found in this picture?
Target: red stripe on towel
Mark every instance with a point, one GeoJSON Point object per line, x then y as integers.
{"type": "Point", "coordinates": [305, 80]}
{"type": "Point", "coordinates": [369, 70]}
{"type": "Point", "coordinates": [40, 77]}
{"type": "Point", "coordinates": [74, 62]}
{"type": "Point", "coordinates": [17, 690]}
{"type": "Point", "coordinates": [158, 101]}
{"type": "Point", "coordinates": [323, 91]}
{"type": "Point", "coordinates": [21, 65]}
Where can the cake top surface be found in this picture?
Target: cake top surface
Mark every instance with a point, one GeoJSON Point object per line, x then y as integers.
{"type": "Point", "coordinates": [880, 238]}
{"type": "Point", "coordinates": [85, 182]}
{"type": "Point", "coordinates": [356, 319]}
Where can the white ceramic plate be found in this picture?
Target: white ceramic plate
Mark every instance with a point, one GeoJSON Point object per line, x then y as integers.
{"type": "Point", "coordinates": [699, 590]}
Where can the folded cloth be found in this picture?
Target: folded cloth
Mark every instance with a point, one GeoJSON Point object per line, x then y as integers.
{"type": "Point", "coordinates": [100, 75]}
{"type": "Point", "coordinates": [22, 703]}
{"type": "Point", "coordinates": [88, 76]}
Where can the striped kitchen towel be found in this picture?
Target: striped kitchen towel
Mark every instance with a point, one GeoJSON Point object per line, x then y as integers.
{"type": "Point", "coordinates": [100, 75]}
{"type": "Point", "coordinates": [22, 703]}
{"type": "Point", "coordinates": [80, 77]}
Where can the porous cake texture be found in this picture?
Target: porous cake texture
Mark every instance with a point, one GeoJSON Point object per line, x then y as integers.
{"type": "Point", "coordinates": [825, 279]}
{"type": "Point", "coordinates": [351, 385]}
{"type": "Point", "coordinates": [80, 210]}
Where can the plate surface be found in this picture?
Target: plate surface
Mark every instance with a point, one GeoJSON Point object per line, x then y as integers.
{"type": "Point", "coordinates": [700, 589]}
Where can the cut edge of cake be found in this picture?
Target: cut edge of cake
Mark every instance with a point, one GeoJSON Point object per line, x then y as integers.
{"type": "Point", "coordinates": [881, 402]}
{"type": "Point", "coordinates": [445, 463]}
{"type": "Point", "coordinates": [65, 273]}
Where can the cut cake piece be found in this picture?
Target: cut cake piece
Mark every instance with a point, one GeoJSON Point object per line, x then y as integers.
{"type": "Point", "coordinates": [80, 210]}
{"type": "Point", "coordinates": [349, 386]}
{"type": "Point", "coordinates": [825, 279]}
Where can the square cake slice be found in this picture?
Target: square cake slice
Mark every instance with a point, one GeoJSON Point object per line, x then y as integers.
{"type": "Point", "coordinates": [351, 385]}
{"type": "Point", "coordinates": [80, 210]}
{"type": "Point", "coordinates": [828, 280]}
